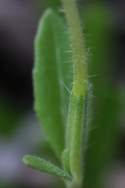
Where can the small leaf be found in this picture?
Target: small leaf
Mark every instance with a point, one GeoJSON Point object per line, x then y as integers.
{"type": "Point", "coordinates": [45, 166]}
{"type": "Point", "coordinates": [51, 75]}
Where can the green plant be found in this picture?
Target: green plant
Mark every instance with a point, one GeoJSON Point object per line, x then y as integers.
{"type": "Point", "coordinates": [63, 99]}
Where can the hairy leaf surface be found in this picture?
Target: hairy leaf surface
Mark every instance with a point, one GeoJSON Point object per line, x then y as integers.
{"type": "Point", "coordinates": [45, 166]}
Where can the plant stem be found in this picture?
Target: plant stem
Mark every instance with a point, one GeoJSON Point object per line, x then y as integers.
{"type": "Point", "coordinates": [72, 185]}
{"type": "Point", "coordinates": [78, 49]}
{"type": "Point", "coordinates": [79, 89]}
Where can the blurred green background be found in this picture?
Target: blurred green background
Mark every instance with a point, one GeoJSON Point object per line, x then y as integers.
{"type": "Point", "coordinates": [19, 130]}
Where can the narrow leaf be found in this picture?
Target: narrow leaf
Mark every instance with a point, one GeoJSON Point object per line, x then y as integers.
{"type": "Point", "coordinates": [103, 133]}
{"type": "Point", "coordinates": [45, 166]}
{"type": "Point", "coordinates": [52, 77]}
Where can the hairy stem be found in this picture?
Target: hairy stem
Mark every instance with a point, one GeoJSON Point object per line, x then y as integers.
{"type": "Point", "coordinates": [78, 49]}
{"type": "Point", "coordinates": [77, 99]}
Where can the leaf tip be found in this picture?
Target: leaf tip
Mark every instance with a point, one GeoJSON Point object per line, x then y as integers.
{"type": "Point", "coordinates": [26, 159]}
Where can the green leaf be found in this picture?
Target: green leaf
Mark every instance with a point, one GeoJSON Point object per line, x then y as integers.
{"type": "Point", "coordinates": [51, 77]}
{"type": "Point", "coordinates": [103, 133]}
{"type": "Point", "coordinates": [53, 3]}
{"type": "Point", "coordinates": [65, 159]}
{"type": "Point", "coordinates": [45, 166]}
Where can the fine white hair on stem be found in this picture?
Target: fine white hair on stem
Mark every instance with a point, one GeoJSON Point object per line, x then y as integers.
{"type": "Point", "coordinates": [65, 86]}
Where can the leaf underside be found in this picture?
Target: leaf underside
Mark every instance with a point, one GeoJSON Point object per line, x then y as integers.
{"type": "Point", "coordinates": [51, 77]}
